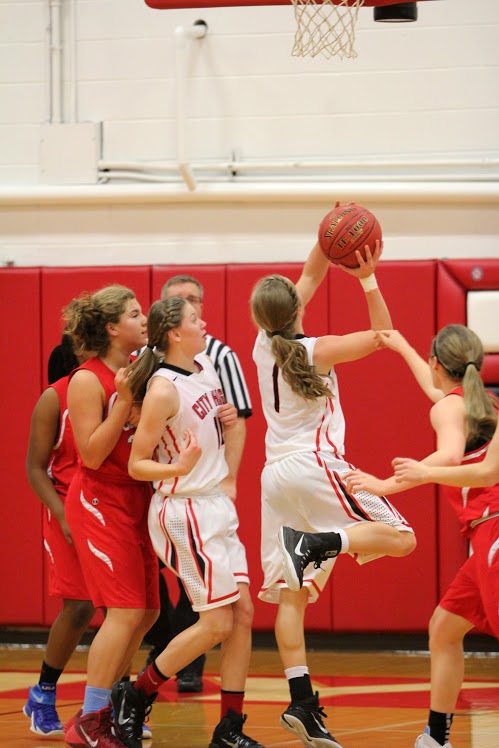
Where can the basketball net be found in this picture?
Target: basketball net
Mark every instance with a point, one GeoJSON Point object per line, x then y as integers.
{"type": "Point", "coordinates": [325, 27]}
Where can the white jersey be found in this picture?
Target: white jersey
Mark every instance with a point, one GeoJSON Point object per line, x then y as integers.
{"type": "Point", "coordinates": [293, 423]}
{"type": "Point", "coordinates": [200, 396]}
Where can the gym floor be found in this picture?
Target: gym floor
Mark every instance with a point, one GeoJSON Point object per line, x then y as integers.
{"type": "Point", "coordinates": [373, 696]}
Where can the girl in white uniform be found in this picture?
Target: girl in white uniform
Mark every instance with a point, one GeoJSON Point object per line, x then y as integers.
{"type": "Point", "coordinates": [302, 482]}
{"type": "Point", "coordinates": [192, 523]}
{"type": "Point", "coordinates": [179, 446]}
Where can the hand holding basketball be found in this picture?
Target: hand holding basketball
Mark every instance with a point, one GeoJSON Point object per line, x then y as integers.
{"type": "Point", "coordinates": [367, 261]}
{"type": "Point", "coordinates": [347, 230]}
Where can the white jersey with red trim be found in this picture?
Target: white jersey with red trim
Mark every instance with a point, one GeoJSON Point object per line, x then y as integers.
{"type": "Point", "coordinates": [293, 423]}
{"type": "Point", "coordinates": [200, 395]}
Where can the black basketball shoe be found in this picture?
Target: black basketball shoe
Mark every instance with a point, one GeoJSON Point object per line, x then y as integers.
{"type": "Point", "coordinates": [305, 719]}
{"type": "Point", "coordinates": [229, 733]}
{"type": "Point", "coordinates": [131, 707]}
{"type": "Point", "coordinates": [298, 550]}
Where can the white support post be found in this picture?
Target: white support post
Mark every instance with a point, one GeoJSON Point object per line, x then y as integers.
{"type": "Point", "coordinates": [197, 31]}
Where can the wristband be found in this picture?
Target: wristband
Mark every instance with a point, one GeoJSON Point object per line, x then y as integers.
{"type": "Point", "coordinates": [369, 284]}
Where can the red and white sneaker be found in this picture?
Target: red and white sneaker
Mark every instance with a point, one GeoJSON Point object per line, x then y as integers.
{"type": "Point", "coordinates": [93, 729]}
{"type": "Point", "coordinates": [69, 724]}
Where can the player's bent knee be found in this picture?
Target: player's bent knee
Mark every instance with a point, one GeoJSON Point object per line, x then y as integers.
{"type": "Point", "coordinates": [218, 624]}
{"type": "Point", "coordinates": [151, 615]}
{"type": "Point", "coordinates": [80, 611]}
{"type": "Point", "coordinates": [446, 629]}
{"type": "Point", "coordinates": [221, 631]}
{"type": "Point", "coordinates": [243, 613]}
{"type": "Point", "coordinates": [408, 543]}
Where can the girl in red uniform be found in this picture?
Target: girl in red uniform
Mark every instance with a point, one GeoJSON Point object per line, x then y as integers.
{"type": "Point", "coordinates": [106, 509]}
{"type": "Point", "coordinates": [50, 465]}
{"type": "Point", "coordinates": [464, 418]}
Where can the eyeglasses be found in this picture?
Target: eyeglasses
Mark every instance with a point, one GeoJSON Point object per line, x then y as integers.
{"type": "Point", "coordinates": [194, 299]}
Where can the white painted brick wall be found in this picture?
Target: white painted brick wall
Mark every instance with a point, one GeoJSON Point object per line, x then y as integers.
{"type": "Point", "coordinates": [427, 89]}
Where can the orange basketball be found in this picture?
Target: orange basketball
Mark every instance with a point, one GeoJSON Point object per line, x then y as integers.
{"type": "Point", "coordinates": [345, 229]}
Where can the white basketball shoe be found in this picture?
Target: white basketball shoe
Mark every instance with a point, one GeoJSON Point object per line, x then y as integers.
{"type": "Point", "coordinates": [426, 741]}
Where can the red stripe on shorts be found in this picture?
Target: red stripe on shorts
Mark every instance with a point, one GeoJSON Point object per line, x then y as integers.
{"type": "Point", "coordinates": [194, 524]}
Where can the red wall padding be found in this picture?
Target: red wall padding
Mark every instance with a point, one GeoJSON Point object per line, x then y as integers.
{"type": "Point", "coordinates": [474, 275]}
{"type": "Point", "coordinates": [21, 581]}
{"type": "Point", "coordinates": [386, 415]}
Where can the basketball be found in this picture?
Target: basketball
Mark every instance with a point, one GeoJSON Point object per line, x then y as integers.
{"type": "Point", "coordinates": [345, 229]}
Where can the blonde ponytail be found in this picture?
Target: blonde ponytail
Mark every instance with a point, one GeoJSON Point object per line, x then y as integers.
{"type": "Point", "coordinates": [460, 352]}
{"type": "Point", "coordinates": [274, 308]}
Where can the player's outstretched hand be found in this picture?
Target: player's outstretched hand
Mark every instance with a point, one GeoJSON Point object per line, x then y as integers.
{"type": "Point", "coordinates": [367, 266]}
{"type": "Point", "coordinates": [357, 480]}
{"type": "Point", "coordinates": [392, 339]}
{"type": "Point", "coordinates": [190, 452]}
{"type": "Point", "coordinates": [227, 414]}
{"type": "Point", "coordinates": [410, 471]}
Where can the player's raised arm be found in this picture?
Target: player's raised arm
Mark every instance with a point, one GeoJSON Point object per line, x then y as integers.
{"type": "Point", "coordinates": [396, 342]}
{"type": "Point", "coordinates": [313, 273]}
{"type": "Point", "coordinates": [379, 314]}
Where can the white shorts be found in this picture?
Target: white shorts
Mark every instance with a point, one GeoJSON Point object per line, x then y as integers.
{"type": "Point", "coordinates": [197, 539]}
{"type": "Point", "coordinates": [305, 491]}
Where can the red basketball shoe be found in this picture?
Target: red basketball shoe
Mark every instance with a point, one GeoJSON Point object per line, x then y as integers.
{"type": "Point", "coordinates": [93, 729]}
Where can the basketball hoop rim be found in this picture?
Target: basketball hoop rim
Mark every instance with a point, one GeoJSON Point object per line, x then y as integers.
{"type": "Point", "coordinates": [200, 4]}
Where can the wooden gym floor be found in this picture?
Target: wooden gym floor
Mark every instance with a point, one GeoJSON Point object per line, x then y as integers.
{"type": "Point", "coordinates": [372, 699]}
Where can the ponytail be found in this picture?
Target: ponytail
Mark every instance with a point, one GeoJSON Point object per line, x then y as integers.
{"type": "Point", "coordinates": [460, 352]}
{"type": "Point", "coordinates": [163, 316]}
{"type": "Point", "coordinates": [274, 308]}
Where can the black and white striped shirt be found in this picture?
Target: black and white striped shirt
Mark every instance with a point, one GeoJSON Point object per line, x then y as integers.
{"type": "Point", "coordinates": [231, 375]}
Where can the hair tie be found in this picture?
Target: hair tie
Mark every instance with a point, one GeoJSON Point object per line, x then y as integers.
{"type": "Point", "coordinates": [150, 346]}
{"type": "Point", "coordinates": [471, 363]}
{"type": "Point", "coordinates": [274, 333]}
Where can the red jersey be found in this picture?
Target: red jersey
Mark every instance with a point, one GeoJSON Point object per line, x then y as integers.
{"type": "Point", "coordinates": [115, 466]}
{"type": "Point", "coordinates": [63, 459]}
{"type": "Point", "coordinates": [471, 504]}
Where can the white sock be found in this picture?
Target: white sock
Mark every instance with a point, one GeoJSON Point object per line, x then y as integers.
{"type": "Point", "coordinates": [296, 672]}
{"type": "Point", "coordinates": [345, 543]}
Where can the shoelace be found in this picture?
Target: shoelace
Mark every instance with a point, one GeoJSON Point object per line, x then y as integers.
{"type": "Point", "coordinates": [305, 558]}
{"type": "Point", "coordinates": [147, 713]}
{"type": "Point", "coordinates": [48, 712]}
{"type": "Point", "coordinates": [137, 719]}
{"type": "Point", "coordinates": [320, 713]}
{"type": "Point", "coordinates": [317, 565]}
{"type": "Point", "coordinates": [237, 731]}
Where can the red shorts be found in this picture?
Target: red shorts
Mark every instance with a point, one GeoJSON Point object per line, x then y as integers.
{"type": "Point", "coordinates": [108, 522]}
{"type": "Point", "coordinates": [474, 593]}
{"type": "Point", "coordinates": [65, 575]}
